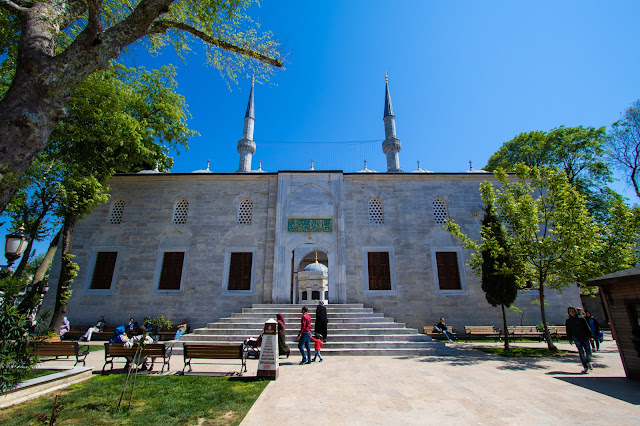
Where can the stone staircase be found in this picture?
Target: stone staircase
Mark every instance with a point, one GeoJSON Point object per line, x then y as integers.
{"type": "Point", "coordinates": [352, 330]}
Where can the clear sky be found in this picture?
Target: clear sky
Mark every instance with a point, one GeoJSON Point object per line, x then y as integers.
{"type": "Point", "coordinates": [464, 76]}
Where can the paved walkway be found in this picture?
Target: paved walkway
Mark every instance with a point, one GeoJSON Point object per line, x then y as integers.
{"type": "Point", "coordinates": [471, 387]}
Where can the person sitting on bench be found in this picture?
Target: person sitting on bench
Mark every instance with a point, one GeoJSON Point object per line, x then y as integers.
{"type": "Point", "coordinates": [98, 327]}
{"type": "Point", "coordinates": [444, 329]}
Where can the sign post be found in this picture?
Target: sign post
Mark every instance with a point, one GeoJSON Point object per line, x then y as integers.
{"type": "Point", "coordinates": [268, 364]}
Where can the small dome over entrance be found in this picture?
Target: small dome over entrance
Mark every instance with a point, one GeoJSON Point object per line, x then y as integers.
{"type": "Point", "coordinates": [316, 267]}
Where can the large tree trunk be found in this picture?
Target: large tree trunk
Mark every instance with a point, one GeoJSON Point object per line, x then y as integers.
{"type": "Point", "coordinates": [67, 273]}
{"type": "Point", "coordinates": [543, 314]}
{"type": "Point", "coordinates": [506, 332]}
{"type": "Point", "coordinates": [38, 284]}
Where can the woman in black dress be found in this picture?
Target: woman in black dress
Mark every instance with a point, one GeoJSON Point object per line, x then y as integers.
{"type": "Point", "coordinates": [321, 320]}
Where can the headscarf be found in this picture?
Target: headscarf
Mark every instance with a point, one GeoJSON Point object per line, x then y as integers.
{"type": "Point", "coordinates": [280, 318]}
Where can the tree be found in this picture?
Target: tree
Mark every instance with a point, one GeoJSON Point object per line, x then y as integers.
{"type": "Point", "coordinates": [52, 46]}
{"type": "Point", "coordinates": [624, 145]}
{"type": "Point", "coordinates": [498, 279]}
{"type": "Point", "coordinates": [578, 151]}
{"type": "Point", "coordinates": [119, 120]}
{"type": "Point", "coordinates": [551, 240]}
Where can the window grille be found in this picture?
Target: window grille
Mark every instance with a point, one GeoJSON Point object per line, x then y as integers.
{"type": "Point", "coordinates": [379, 270]}
{"type": "Point", "coordinates": [171, 274]}
{"type": "Point", "coordinates": [448, 273]}
{"type": "Point", "coordinates": [376, 214]}
{"type": "Point", "coordinates": [240, 271]}
{"type": "Point", "coordinates": [245, 212]}
{"type": "Point", "coordinates": [117, 208]}
{"type": "Point", "coordinates": [440, 212]}
{"type": "Point", "coordinates": [180, 209]}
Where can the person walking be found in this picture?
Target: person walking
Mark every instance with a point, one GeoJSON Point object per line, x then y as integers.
{"type": "Point", "coordinates": [595, 330]}
{"type": "Point", "coordinates": [283, 348]}
{"type": "Point", "coordinates": [317, 345]}
{"type": "Point", "coordinates": [321, 321]}
{"type": "Point", "coordinates": [304, 336]}
{"type": "Point", "coordinates": [579, 333]}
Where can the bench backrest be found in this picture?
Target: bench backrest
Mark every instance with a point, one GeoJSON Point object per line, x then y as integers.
{"type": "Point", "coordinates": [216, 351]}
{"type": "Point", "coordinates": [522, 329]}
{"type": "Point", "coordinates": [150, 349]}
{"type": "Point", "coordinates": [56, 348]}
{"type": "Point", "coordinates": [560, 329]}
{"type": "Point", "coordinates": [479, 329]}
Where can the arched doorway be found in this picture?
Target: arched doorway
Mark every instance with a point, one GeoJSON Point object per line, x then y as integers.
{"type": "Point", "coordinates": [301, 257]}
{"type": "Point", "coordinates": [313, 278]}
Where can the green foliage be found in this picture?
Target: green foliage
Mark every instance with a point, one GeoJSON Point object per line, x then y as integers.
{"type": "Point", "coordinates": [15, 359]}
{"type": "Point", "coordinates": [159, 400]}
{"type": "Point", "coordinates": [161, 323]}
{"type": "Point", "coordinates": [498, 279]}
{"type": "Point", "coordinates": [578, 151]}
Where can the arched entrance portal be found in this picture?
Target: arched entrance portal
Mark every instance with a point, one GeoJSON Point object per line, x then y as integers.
{"type": "Point", "coordinates": [302, 257]}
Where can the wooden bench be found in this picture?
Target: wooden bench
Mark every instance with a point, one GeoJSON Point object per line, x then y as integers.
{"type": "Point", "coordinates": [214, 351]}
{"type": "Point", "coordinates": [49, 349]}
{"type": "Point", "coordinates": [150, 350]}
{"type": "Point", "coordinates": [558, 331]}
{"type": "Point", "coordinates": [524, 331]}
{"type": "Point", "coordinates": [429, 331]}
{"type": "Point", "coordinates": [482, 331]}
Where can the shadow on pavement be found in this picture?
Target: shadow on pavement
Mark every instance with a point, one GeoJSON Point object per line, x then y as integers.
{"type": "Point", "coordinates": [616, 387]}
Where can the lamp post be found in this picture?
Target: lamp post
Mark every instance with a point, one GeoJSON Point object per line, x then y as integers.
{"type": "Point", "coordinates": [15, 245]}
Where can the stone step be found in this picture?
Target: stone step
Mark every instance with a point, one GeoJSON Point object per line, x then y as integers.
{"type": "Point", "coordinates": [297, 312]}
{"type": "Point", "coordinates": [296, 318]}
{"type": "Point", "coordinates": [298, 306]}
{"type": "Point", "coordinates": [293, 332]}
{"type": "Point", "coordinates": [334, 338]}
{"type": "Point", "coordinates": [330, 326]}
{"type": "Point", "coordinates": [244, 320]}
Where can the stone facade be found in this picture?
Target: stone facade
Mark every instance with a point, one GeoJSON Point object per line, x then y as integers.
{"type": "Point", "coordinates": [405, 227]}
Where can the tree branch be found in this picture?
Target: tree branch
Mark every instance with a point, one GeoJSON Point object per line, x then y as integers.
{"type": "Point", "coordinates": [160, 27]}
{"type": "Point", "coordinates": [14, 7]}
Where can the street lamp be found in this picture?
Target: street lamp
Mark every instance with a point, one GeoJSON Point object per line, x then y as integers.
{"type": "Point", "coordinates": [15, 245]}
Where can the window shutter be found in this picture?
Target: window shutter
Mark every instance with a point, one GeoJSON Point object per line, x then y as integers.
{"type": "Point", "coordinates": [103, 270]}
{"type": "Point", "coordinates": [448, 273]}
{"type": "Point", "coordinates": [379, 271]}
{"type": "Point", "coordinates": [171, 271]}
{"type": "Point", "coordinates": [240, 271]}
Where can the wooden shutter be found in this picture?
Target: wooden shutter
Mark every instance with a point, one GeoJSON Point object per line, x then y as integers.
{"type": "Point", "coordinates": [171, 270]}
{"type": "Point", "coordinates": [103, 270]}
{"type": "Point", "coordinates": [240, 271]}
{"type": "Point", "coordinates": [448, 273]}
{"type": "Point", "coordinates": [379, 271]}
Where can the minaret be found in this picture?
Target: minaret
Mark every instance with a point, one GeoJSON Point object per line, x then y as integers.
{"type": "Point", "coordinates": [391, 144]}
{"type": "Point", "coordinates": [246, 145]}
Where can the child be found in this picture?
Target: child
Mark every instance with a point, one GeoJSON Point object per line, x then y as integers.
{"type": "Point", "coordinates": [317, 341]}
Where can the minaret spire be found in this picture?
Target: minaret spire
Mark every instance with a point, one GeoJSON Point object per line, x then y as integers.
{"type": "Point", "coordinates": [246, 145]}
{"type": "Point", "coordinates": [391, 144]}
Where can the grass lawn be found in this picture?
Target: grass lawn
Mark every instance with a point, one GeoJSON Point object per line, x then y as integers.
{"type": "Point", "coordinates": [166, 400]}
{"type": "Point", "coordinates": [517, 351]}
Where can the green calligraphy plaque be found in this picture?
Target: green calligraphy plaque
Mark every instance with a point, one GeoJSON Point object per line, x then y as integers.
{"type": "Point", "coordinates": [309, 225]}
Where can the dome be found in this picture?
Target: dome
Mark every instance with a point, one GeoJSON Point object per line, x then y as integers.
{"type": "Point", "coordinates": [316, 267]}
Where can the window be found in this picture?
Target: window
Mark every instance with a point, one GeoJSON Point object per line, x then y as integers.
{"type": "Point", "coordinates": [448, 272]}
{"type": "Point", "coordinates": [440, 213]}
{"type": "Point", "coordinates": [103, 270]}
{"type": "Point", "coordinates": [379, 270]}
{"type": "Point", "coordinates": [180, 209]}
{"type": "Point", "coordinates": [245, 212]}
{"type": "Point", "coordinates": [171, 274]}
{"type": "Point", "coordinates": [240, 271]}
{"type": "Point", "coordinates": [376, 214]}
{"type": "Point", "coordinates": [117, 208]}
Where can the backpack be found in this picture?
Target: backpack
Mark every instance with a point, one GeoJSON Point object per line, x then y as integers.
{"type": "Point", "coordinates": [119, 331]}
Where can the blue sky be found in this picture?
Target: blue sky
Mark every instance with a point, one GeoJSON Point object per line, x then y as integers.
{"type": "Point", "coordinates": [464, 76]}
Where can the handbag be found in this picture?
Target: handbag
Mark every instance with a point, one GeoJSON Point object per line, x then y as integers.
{"type": "Point", "coordinates": [601, 337]}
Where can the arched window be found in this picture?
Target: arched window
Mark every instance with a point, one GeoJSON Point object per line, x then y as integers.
{"type": "Point", "coordinates": [117, 208]}
{"type": "Point", "coordinates": [180, 209]}
{"type": "Point", "coordinates": [245, 212]}
{"type": "Point", "coordinates": [376, 214]}
{"type": "Point", "coordinates": [440, 212]}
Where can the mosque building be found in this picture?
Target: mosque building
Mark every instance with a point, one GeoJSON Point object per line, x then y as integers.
{"type": "Point", "coordinates": [205, 245]}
